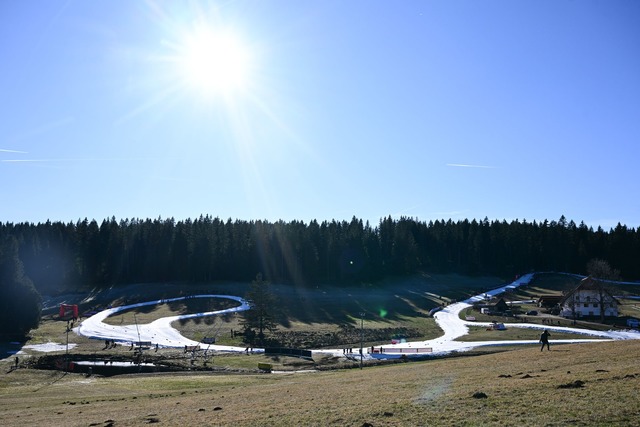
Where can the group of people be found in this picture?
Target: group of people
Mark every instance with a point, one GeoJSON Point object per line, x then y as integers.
{"type": "Point", "coordinates": [109, 344]}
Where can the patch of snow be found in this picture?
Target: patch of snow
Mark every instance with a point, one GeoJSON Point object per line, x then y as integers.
{"type": "Point", "coordinates": [161, 333]}
{"type": "Point", "coordinates": [48, 347]}
{"type": "Point", "coordinates": [158, 332]}
{"type": "Point", "coordinates": [111, 363]}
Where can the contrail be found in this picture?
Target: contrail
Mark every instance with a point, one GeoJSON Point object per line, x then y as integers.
{"type": "Point", "coordinates": [86, 159]}
{"type": "Point", "coordinates": [2, 150]}
{"type": "Point", "coordinates": [41, 160]}
{"type": "Point", "coordinates": [27, 160]}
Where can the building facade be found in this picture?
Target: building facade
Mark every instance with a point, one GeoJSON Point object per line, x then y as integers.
{"type": "Point", "coordinates": [588, 299]}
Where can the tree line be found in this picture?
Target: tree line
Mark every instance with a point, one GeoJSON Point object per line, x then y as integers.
{"type": "Point", "coordinates": [55, 257]}
{"type": "Point", "coordinates": [64, 256]}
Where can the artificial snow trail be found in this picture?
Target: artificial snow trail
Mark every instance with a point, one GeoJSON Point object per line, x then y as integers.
{"type": "Point", "coordinates": [161, 333]}
{"type": "Point", "coordinates": [158, 332]}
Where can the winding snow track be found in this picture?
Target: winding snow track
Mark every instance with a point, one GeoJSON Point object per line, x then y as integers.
{"type": "Point", "coordinates": [449, 320]}
{"type": "Point", "coordinates": [160, 331]}
{"type": "Point", "coordinates": [157, 332]}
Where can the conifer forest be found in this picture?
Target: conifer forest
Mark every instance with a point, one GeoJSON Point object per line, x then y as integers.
{"type": "Point", "coordinates": [60, 256]}
{"type": "Point", "coordinates": [55, 257]}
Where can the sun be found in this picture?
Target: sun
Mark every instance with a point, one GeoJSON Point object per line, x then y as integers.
{"type": "Point", "coordinates": [217, 62]}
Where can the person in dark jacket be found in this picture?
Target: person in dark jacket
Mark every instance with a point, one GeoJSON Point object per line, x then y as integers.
{"type": "Point", "coordinates": [544, 339]}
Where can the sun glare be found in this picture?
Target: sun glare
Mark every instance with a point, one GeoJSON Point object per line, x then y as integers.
{"type": "Point", "coordinates": [216, 62]}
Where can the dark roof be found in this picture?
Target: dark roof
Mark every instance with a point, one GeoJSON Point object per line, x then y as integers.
{"type": "Point", "coordinates": [550, 299]}
{"type": "Point", "coordinates": [589, 283]}
{"type": "Point", "coordinates": [501, 304]}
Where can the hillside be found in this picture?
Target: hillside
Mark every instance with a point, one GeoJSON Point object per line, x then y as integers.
{"type": "Point", "coordinates": [311, 317]}
{"type": "Point", "coordinates": [587, 384]}
{"type": "Point", "coordinates": [582, 384]}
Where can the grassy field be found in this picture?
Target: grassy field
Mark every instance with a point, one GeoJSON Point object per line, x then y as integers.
{"type": "Point", "coordinates": [309, 317]}
{"type": "Point", "coordinates": [587, 384]}
{"type": "Point", "coordinates": [482, 334]}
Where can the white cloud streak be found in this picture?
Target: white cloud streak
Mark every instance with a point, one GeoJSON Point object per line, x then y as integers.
{"type": "Point", "coordinates": [3, 150]}
{"type": "Point", "coordinates": [105, 159]}
{"type": "Point", "coordinates": [27, 160]}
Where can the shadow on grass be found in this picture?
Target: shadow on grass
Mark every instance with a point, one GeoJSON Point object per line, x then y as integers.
{"type": "Point", "coordinates": [387, 301]}
{"type": "Point", "coordinates": [64, 374]}
{"type": "Point", "coordinates": [390, 301]}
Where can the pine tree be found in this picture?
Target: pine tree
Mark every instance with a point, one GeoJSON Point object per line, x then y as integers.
{"type": "Point", "coordinates": [262, 315]}
{"type": "Point", "coordinates": [20, 303]}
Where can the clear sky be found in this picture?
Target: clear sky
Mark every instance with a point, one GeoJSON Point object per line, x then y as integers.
{"type": "Point", "coordinates": [264, 109]}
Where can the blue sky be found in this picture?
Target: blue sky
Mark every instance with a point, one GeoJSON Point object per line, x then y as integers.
{"type": "Point", "coordinates": [428, 109]}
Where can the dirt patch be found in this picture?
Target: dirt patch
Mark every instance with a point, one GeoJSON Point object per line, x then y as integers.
{"type": "Point", "coordinates": [575, 384]}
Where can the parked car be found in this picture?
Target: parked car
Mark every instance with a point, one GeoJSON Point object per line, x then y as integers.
{"type": "Point", "coordinates": [532, 313]}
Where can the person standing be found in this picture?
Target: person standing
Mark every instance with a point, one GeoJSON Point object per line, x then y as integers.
{"type": "Point", "coordinates": [544, 339]}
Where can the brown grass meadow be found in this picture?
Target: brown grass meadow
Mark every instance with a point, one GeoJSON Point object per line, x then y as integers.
{"type": "Point", "coordinates": [585, 384]}
{"type": "Point", "coordinates": [580, 384]}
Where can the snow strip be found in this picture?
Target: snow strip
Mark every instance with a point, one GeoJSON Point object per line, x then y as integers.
{"type": "Point", "coordinates": [161, 333]}
{"type": "Point", "coordinates": [48, 347]}
{"type": "Point", "coordinates": [449, 320]}
{"type": "Point", "coordinates": [158, 332]}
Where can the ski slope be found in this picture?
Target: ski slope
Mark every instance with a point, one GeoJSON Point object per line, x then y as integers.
{"type": "Point", "coordinates": [161, 332]}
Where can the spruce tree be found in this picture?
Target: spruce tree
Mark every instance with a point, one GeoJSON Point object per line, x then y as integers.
{"type": "Point", "coordinates": [262, 315]}
{"type": "Point", "coordinates": [20, 303]}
